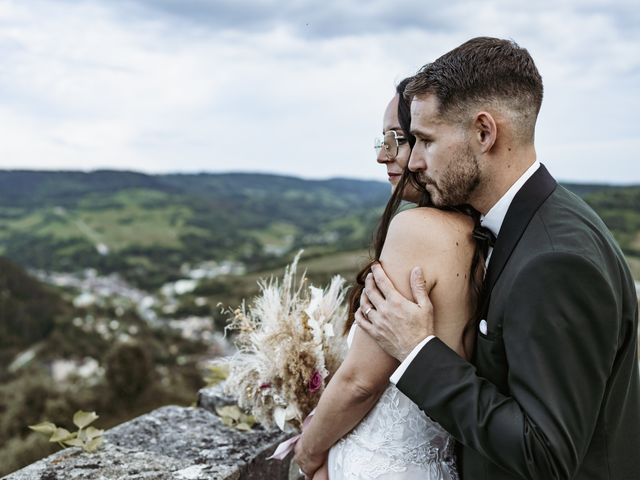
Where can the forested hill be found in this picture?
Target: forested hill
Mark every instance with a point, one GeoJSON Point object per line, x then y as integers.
{"type": "Point", "coordinates": [146, 227]}
{"type": "Point", "coordinates": [28, 310]}
{"type": "Point", "coordinates": [619, 207]}
{"type": "Point", "coordinates": [36, 188]}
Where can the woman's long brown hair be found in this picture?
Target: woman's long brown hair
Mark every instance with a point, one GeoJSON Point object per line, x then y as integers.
{"type": "Point", "coordinates": [407, 180]}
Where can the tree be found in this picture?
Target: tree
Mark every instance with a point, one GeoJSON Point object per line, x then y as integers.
{"type": "Point", "coordinates": [128, 369]}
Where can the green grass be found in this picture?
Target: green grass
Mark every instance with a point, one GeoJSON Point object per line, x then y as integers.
{"type": "Point", "coordinates": [43, 223]}
{"type": "Point", "coordinates": [137, 217]}
{"type": "Point", "coordinates": [275, 234]}
{"type": "Point", "coordinates": [133, 218]}
{"type": "Point", "coordinates": [230, 291]}
{"type": "Point", "coordinates": [342, 263]}
{"type": "Point", "coordinates": [120, 229]}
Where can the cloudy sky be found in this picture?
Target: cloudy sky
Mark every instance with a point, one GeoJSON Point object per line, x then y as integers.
{"type": "Point", "coordinates": [294, 87]}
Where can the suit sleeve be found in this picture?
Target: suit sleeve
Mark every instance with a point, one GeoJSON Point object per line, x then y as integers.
{"type": "Point", "coordinates": [560, 332]}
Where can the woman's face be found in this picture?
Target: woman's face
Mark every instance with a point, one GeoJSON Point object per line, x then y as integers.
{"type": "Point", "coordinates": [398, 163]}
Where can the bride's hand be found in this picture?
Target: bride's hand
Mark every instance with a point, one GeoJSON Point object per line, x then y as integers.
{"type": "Point", "coordinates": [308, 462]}
{"type": "Point", "coordinates": [322, 473]}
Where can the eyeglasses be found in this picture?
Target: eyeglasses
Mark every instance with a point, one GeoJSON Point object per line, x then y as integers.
{"type": "Point", "coordinates": [390, 141]}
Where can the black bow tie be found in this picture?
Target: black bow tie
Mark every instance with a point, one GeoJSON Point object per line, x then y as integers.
{"type": "Point", "coordinates": [484, 237]}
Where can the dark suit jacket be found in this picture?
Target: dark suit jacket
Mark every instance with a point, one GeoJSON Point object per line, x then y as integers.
{"type": "Point", "coordinates": [553, 391]}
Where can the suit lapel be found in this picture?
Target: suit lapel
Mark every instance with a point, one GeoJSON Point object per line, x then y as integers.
{"type": "Point", "coordinates": [524, 205]}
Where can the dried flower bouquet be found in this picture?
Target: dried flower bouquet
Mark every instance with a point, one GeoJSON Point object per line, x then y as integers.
{"type": "Point", "coordinates": [290, 343]}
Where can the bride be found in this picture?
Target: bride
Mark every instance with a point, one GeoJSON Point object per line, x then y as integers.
{"type": "Point", "coordinates": [363, 427]}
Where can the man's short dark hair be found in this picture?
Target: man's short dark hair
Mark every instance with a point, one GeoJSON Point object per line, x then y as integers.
{"type": "Point", "coordinates": [484, 71]}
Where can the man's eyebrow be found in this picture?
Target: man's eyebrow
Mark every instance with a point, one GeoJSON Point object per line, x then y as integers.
{"type": "Point", "coordinates": [420, 133]}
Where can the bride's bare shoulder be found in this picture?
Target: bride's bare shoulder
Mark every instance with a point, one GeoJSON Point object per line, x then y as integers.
{"type": "Point", "coordinates": [431, 226]}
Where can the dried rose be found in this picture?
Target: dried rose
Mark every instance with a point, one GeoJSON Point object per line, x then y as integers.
{"type": "Point", "coordinates": [315, 383]}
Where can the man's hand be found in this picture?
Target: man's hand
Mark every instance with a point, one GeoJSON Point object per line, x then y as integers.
{"type": "Point", "coordinates": [308, 463]}
{"type": "Point", "coordinates": [395, 323]}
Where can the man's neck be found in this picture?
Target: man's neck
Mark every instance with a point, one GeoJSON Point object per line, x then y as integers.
{"type": "Point", "coordinates": [499, 180]}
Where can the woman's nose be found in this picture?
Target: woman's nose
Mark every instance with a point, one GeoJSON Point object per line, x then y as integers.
{"type": "Point", "coordinates": [382, 156]}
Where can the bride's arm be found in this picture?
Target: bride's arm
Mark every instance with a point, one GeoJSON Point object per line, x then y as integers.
{"type": "Point", "coordinates": [352, 392]}
{"type": "Point", "coordinates": [423, 237]}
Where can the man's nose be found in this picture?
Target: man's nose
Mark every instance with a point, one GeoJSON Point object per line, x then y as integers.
{"type": "Point", "coordinates": [417, 162]}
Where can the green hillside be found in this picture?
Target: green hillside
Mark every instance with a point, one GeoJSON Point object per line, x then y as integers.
{"type": "Point", "coordinates": [145, 227]}
{"type": "Point", "coordinates": [28, 311]}
{"type": "Point", "coordinates": [57, 358]}
{"type": "Point", "coordinates": [620, 209]}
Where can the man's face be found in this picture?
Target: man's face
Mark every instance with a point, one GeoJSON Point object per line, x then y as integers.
{"type": "Point", "coordinates": [442, 156]}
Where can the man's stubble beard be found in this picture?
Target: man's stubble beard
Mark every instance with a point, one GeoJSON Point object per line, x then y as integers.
{"type": "Point", "coordinates": [458, 182]}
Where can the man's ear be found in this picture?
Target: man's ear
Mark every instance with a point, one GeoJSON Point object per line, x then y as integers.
{"type": "Point", "coordinates": [486, 131]}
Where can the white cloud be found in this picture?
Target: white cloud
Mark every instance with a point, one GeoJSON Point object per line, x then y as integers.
{"type": "Point", "coordinates": [299, 89]}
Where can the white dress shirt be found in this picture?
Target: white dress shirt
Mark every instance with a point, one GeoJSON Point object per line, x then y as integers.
{"type": "Point", "coordinates": [493, 221]}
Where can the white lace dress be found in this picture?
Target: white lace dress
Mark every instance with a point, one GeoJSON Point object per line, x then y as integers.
{"type": "Point", "coordinates": [396, 440]}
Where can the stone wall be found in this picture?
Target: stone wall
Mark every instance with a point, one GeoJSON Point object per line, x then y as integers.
{"type": "Point", "coordinates": [170, 443]}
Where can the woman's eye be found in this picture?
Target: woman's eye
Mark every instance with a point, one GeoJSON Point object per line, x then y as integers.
{"type": "Point", "coordinates": [402, 140]}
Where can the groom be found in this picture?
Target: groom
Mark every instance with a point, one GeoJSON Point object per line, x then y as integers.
{"type": "Point", "coordinates": [553, 389]}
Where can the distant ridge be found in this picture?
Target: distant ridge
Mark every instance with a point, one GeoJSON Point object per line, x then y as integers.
{"type": "Point", "coordinates": [574, 186]}
{"type": "Point", "coordinates": [30, 187]}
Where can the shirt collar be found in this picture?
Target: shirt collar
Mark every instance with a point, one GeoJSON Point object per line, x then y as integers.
{"type": "Point", "coordinates": [495, 216]}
